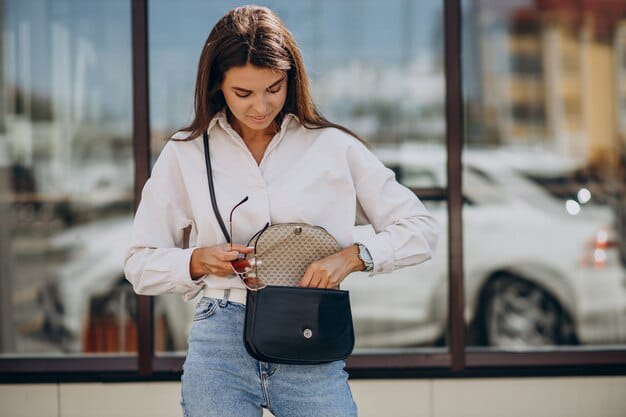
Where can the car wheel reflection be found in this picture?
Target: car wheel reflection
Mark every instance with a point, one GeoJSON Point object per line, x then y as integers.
{"type": "Point", "coordinates": [519, 314]}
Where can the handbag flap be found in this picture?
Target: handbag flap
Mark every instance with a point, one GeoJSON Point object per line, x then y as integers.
{"type": "Point", "coordinates": [298, 325]}
{"type": "Point", "coordinates": [285, 251]}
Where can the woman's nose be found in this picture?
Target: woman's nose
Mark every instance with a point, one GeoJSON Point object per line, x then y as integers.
{"type": "Point", "coordinates": [261, 106]}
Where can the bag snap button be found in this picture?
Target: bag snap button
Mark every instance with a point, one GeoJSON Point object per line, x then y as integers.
{"type": "Point", "coordinates": [297, 230]}
{"type": "Point", "coordinates": [307, 333]}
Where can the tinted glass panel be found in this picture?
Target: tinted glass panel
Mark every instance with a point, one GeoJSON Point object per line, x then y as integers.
{"type": "Point", "coordinates": [66, 173]}
{"type": "Point", "coordinates": [545, 267]}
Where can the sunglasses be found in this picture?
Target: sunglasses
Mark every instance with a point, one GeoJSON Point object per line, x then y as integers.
{"type": "Point", "coordinates": [245, 269]}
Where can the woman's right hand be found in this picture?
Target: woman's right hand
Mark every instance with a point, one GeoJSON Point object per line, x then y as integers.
{"type": "Point", "coordinates": [215, 260]}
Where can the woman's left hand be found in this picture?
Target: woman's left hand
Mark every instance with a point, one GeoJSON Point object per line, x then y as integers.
{"type": "Point", "coordinates": [328, 272]}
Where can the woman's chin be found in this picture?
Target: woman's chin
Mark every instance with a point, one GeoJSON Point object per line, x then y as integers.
{"type": "Point", "coordinates": [260, 126]}
{"type": "Point", "coordinates": [257, 126]}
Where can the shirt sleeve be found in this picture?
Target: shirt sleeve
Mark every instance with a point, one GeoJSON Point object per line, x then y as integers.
{"type": "Point", "coordinates": [406, 233]}
{"type": "Point", "coordinates": [155, 262]}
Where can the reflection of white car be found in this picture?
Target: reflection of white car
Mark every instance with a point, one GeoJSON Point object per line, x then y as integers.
{"type": "Point", "coordinates": [534, 274]}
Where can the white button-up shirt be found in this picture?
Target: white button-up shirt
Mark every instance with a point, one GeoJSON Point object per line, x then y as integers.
{"type": "Point", "coordinates": [324, 177]}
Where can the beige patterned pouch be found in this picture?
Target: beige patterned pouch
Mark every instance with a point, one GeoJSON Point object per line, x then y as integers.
{"type": "Point", "coordinates": [283, 251]}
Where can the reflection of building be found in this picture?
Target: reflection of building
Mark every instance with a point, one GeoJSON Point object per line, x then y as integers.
{"type": "Point", "coordinates": [548, 75]}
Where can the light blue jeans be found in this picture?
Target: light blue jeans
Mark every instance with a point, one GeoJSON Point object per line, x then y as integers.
{"type": "Point", "coordinates": [221, 379]}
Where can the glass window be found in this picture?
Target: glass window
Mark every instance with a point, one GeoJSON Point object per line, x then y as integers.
{"type": "Point", "coordinates": [66, 177]}
{"type": "Point", "coordinates": [385, 84]}
{"type": "Point", "coordinates": [543, 268]}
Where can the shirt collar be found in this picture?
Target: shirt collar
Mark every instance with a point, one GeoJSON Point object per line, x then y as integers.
{"type": "Point", "coordinates": [222, 119]}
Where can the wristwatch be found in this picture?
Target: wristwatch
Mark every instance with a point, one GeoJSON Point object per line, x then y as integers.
{"type": "Point", "coordinates": [365, 256]}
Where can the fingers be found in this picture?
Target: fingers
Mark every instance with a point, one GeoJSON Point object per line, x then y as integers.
{"type": "Point", "coordinates": [228, 256]}
{"type": "Point", "coordinates": [231, 254]}
{"type": "Point", "coordinates": [241, 248]}
{"type": "Point", "coordinates": [219, 259]}
{"type": "Point", "coordinates": [316, 276]}
{"type": "Point", "coordinates": [306, 278]}
{"type": "Point", "coordinates": [315, 281]}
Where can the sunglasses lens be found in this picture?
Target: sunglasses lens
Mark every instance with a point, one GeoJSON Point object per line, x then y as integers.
{"type": "Point", "coordinates": [253, 283]}
{"type": "Point", "coordinates": [242, 268]}
{"type": "Point", "coordinates": [240, 265]}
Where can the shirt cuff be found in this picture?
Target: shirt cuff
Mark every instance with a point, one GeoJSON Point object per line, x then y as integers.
{"type": "Point", "coordinates": [382, 253]}
{"type": "Point", "coordinates": [181, 270]}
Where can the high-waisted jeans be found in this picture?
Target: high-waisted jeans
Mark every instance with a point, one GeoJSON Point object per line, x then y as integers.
{"type": "Point", "coordinates": [221, 379]}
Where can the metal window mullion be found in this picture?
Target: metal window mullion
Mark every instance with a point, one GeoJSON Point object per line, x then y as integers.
{"type": "Point", "coordinates": [141, 153]}
{"type": "Point", "coordinates": [454, 144]}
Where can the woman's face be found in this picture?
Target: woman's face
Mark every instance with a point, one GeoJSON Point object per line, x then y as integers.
{"type": "Point", "coordinates": [254, 95]}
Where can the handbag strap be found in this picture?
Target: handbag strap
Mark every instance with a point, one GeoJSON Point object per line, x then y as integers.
{"type": "Point", "coordinates": [209, 174]}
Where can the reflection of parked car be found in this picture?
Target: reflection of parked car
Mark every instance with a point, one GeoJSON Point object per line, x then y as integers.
{"type": "Point", "coordinates": [534, 274]}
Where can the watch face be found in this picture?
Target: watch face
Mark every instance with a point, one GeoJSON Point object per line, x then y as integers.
{"type": "Point", "coordinates": [366, 258]}
{"type": "Point", "coordinates": [364, 254]}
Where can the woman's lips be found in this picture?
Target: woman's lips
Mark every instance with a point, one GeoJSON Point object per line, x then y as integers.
{"type": "Point", "coordinates": [259, 120]}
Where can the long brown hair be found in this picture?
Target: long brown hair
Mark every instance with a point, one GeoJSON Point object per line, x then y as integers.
{"type": "Point", "coordinates": [255, 35]}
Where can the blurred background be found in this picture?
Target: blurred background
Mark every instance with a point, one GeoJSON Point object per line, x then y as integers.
{"type": "Point", "coordinates": [544, 179]}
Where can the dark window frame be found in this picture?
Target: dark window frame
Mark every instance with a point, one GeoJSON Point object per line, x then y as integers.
{"type": "Point", "coordinates": [457, 361]}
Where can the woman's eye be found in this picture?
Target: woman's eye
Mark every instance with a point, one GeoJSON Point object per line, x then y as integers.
{"type": "Point", "coordinates": [248, 95]}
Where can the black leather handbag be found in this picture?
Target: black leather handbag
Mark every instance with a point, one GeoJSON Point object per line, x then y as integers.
{"type": "Point", "coordinates": [298, 325]}
{"type": "Point", "coordinates": [287, 323]}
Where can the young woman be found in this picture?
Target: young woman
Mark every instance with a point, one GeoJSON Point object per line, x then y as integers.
{"type": "Point", "coordinates": [268, 142]}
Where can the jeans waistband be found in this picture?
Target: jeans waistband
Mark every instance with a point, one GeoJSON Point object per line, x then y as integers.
{"type": "Point", "coordinates": [236, 295]}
